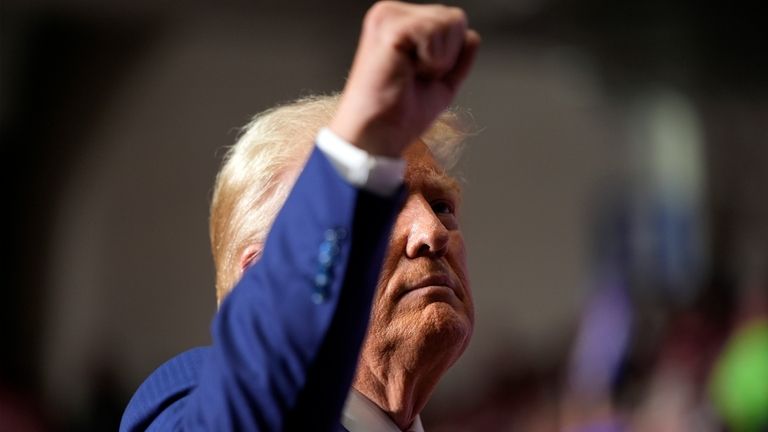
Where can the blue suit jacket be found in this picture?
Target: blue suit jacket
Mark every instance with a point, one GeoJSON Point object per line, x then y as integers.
{"type": "Point", "coordinates": [287, 338]}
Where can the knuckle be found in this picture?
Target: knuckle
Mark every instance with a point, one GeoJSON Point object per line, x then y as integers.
{"type": "Point", "coordinates": [456, 18]}
{"type": "Point", "coordinates": [384, 21]}
{"type": "Point", "coordinates": [380, 11]}
{"type": "Point", "coordinates": [458, 14]}
{"type": "Point", "coordinates": [373, 17]}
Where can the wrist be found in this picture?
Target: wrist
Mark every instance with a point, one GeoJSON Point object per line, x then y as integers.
{"type": "Point", "coordinates": [371, 127]}
{"type": "Point", "coordinates": [377, 141]}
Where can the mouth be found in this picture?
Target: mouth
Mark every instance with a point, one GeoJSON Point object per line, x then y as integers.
{"type": "Point", "coordinates": [433, 283]}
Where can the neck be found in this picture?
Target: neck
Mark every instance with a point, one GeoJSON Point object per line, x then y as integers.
{"type": "Point", "coordinates": [400, 392]}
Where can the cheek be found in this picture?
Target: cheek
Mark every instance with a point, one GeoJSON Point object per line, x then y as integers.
{"type": "Point", "coordinates": [382, 300]}
{"type": "Point", "coordinates": [393, 255]}
{"type": "Point", "coordinates": [458, 257]}
{"type": "Point", "coordinates": [458, 262]}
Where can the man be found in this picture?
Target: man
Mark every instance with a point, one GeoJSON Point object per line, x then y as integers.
{"type": "Point", "coordinates": [370, 204]}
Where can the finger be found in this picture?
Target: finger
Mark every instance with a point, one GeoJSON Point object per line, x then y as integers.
{"type": "Point", "coordinates": [465, 60]}
{"type": "Point", "coordinates": [439, 38]}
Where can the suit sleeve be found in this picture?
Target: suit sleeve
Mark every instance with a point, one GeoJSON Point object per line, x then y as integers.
{"type": "Point", "coordinates": [287, 338]}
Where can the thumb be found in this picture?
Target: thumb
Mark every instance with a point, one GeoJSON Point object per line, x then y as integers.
{"type": "Point", "coordinates": [464, 62]}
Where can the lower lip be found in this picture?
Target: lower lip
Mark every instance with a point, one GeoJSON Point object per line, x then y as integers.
{"type": "Point", "coordinates": [432, 291]}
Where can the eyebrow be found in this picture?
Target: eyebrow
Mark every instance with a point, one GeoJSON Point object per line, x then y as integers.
{"type": "Point", "coordinates": [444, 181]}
{"type": "Point", "coordinates": [437, 180]}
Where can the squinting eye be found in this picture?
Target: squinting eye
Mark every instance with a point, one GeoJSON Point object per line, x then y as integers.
{"type": "Point", "coordinates": [442, 207]}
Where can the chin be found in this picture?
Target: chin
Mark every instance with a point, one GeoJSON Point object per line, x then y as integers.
{"type": "Point", "coordinates": [444, 326]}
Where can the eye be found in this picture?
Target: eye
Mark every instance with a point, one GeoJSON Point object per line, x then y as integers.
{"type": "Point", "coordinates": [442, 207]}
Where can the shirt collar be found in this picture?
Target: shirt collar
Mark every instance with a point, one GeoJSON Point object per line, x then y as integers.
{"type": "Point", "coordinates": [362, 415]}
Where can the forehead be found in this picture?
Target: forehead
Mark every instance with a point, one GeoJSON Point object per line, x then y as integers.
{"type": "Point", "coordinates": [424, 172]}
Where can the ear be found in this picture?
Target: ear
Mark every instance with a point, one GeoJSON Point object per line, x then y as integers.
{"type": "Point", "coordinates": [250, 255]}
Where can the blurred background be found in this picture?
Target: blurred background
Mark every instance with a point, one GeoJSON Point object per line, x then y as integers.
{"type": "Point", "coordinates": [615, 212]}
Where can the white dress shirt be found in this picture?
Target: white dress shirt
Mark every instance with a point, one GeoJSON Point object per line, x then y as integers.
{"type": "Point", "coordinates": [362, 415]}
{"type": "Point", "coordinates": [378, 174]}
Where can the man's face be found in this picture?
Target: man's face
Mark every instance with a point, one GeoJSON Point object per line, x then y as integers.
{"type": "Point", "coordinates": [423, 307]}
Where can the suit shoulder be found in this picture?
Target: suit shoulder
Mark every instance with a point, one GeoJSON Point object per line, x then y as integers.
{"type": "Point", "coordinates": [169, 383]}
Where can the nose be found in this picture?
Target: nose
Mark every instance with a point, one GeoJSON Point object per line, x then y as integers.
{"type": "Point", "coordinates": [427, 236]}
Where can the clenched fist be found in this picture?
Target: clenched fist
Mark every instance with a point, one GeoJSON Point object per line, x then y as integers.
{"type": "Point", "coordinates": [410, 62]}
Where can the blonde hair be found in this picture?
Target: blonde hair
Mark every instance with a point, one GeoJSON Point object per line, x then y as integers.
{"type": "Point", "coordinates": [260, 169]}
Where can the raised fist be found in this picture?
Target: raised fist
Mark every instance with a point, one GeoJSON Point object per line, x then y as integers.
{"type": "Point", "coordinates": [410, 62]}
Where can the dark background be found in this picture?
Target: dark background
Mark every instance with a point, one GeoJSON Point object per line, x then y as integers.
{"type": "Point", "coordinates": [114, 116]}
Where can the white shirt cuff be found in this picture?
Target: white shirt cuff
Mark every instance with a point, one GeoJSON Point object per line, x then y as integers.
{"type": "Point", "coordinates": [378, 174]}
